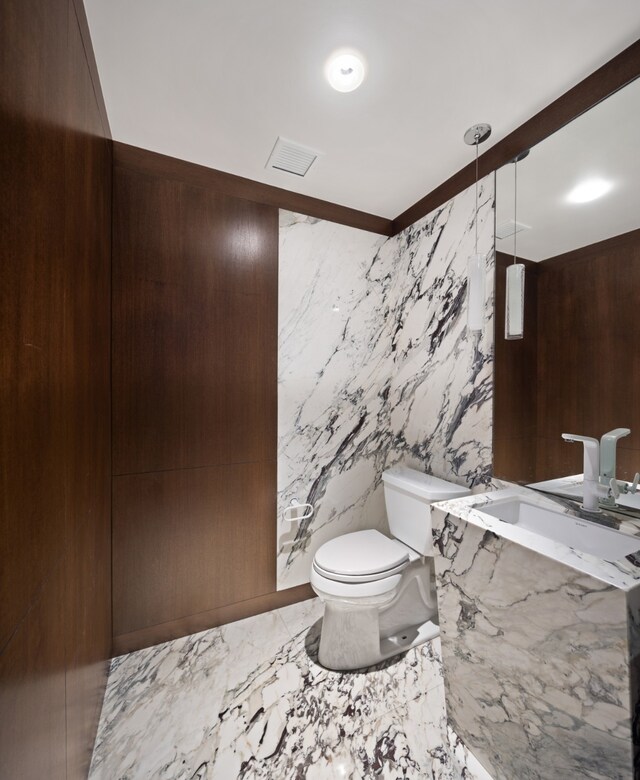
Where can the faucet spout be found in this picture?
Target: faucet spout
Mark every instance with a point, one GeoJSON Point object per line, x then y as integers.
{"type": "Point", "coordinates": [591, 470]}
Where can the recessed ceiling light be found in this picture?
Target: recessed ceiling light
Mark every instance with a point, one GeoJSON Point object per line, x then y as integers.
{"type": "Point", "coordinates": [345, 72]}
{"type": "Point", "coordinates": [589, 190]}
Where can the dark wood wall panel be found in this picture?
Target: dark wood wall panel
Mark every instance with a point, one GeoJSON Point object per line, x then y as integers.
{"type": "Point", "coordinates": [32, 689]}
{"type": "Point", "coordinates": [195, 404]}
{"type": "Point", "coordinates": [189, 540]}
{"type": "Point", "coordinates": [515, 419]}
{"type": "Point", "coordinates": [55, 176]}
{"type": "Point", "coordinates": [575, 370]}
{"type": "Point", "coordinates": [31, 307]}
{"type": "Point", "coordinates": [588, 376]}
{"type": "Point", "coordinates": [88, 399]}
{"type": "Point", "coordinates": [195, 327]}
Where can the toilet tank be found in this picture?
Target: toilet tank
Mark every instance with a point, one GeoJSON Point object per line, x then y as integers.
{"type": "Point", "coordinates": [408, 495]}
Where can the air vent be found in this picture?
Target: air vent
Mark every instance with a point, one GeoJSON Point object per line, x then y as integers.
{"type": "Point", "coordinates": [291, 157]}
{"type": "Point", "coordinates": [510, 228]}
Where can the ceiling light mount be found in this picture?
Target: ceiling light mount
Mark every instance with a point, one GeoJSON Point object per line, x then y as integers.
{"type": "Point", "coordinates": [476, 134]}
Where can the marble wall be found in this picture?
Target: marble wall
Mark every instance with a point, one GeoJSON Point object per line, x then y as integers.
{"type": "Point", "coordinates": [376, 366]}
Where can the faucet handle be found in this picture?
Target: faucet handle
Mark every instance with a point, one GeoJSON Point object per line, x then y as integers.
{"type": "Point", "coordinates": [615, 488]}
{"type": "Point", "coordinates": [634, 485]}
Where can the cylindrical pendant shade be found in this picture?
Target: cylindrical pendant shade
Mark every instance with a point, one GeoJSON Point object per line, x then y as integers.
{"type": "Point", "coordinates": [514, 302]}
{"type": "Point", "coordinates": [475, 292]}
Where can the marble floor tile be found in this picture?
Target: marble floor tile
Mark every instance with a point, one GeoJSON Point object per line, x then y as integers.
{"type": "Point", "coordinates": [249, 700]}
{"type": "Point", "coordinates": [161, 701]}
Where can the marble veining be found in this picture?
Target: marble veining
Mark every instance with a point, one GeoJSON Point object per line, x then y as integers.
{"type": "Point", "coordinates": [539, 645]}
{"type": "Point", "coordinates": [392, 375]}
{"type": "Point", "coordinates": [249, 700]}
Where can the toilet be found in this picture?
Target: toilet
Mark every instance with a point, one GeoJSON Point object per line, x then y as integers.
{"type": "Point", "coordinates": [379, 592]}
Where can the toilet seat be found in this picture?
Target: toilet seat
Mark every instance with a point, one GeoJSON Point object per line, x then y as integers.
{"type": "Point", "coordinates": [374, 592]}
{"type": "Point", "coordinates": [360, 557]}
{"type": "Point", "coordinates": [381, 575]}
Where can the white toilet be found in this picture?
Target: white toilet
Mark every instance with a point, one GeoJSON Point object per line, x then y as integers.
{"type": "Point", "coordinates": [379, 593]}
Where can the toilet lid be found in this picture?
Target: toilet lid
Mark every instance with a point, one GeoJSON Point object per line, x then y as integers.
{"type": "Point", "coordinates": [361, 553]}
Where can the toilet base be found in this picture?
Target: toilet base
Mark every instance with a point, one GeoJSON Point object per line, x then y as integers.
{"type": "Point", "coordinates": [410, 637]}
{"type": "Point", "coordinates": [361, 632]}
{"type": "Point", "coordinates": [350, 639]}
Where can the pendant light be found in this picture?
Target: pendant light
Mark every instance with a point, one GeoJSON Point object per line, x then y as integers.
{"type": "Point", "coordinates": [476, 271]}
{"type": "Point", "coordinates": [514, 296]}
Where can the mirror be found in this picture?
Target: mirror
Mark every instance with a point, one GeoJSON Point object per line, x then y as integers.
{"type": "Point", "coordinates": [577, 369]}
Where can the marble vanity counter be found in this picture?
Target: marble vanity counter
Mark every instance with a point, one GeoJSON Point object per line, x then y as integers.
{"type": "Point", "coordinates": [623, 573]}
{"type": "Point", "coordinates": [540, 644]}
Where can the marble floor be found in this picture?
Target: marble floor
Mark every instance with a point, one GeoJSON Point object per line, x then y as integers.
{"type": "Point", "coordinates": [249, 700]}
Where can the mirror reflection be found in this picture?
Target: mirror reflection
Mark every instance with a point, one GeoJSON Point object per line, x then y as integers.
{"type": "Point", "coordinates": [574, 222]}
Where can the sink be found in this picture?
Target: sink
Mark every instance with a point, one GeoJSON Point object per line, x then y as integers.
{"type": "Point", "coordinates": [583, 535]}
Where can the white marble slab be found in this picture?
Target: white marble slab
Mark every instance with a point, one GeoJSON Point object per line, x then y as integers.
{"type": "Point", "coordinates": [392, 376]}
{"type": "Point", "coordinates": [249, 700]}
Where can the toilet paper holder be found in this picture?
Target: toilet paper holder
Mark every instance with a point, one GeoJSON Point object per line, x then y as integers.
{"type": "Point", "coordinates": [297, 511]}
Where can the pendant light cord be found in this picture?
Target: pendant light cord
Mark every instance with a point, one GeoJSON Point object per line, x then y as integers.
{"type": "Point", "coordinates": [515, 210]}
{"type": "Point", "coordinates": [476, 219]}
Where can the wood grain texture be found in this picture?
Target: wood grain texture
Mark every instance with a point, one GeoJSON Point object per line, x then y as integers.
{"type": "Point", "coordinates": [583, 377]}
{"type": "Point", "coordinates": [32, 689]}
{"type": "Point", "coordinates": [514, 390]}
{"type": "Point", "coordinates": [55, 173]}
{"type": "Point", "coordinates": [613, 75]}
{"type": "Point", "coordinates": [88, 398]}
{"type": "Point", "coordinates": [194, 327]}
{"type": "Point", "coordinates": [32, 408]}
{"type": "Point", "coordinates": [161, 166]}
{"type": "Point", "coordinates": [190, 541]}
{"type": "Point", "coordinates": [589, 330]}
{"type": "Point", "coordinates": [192, 624]}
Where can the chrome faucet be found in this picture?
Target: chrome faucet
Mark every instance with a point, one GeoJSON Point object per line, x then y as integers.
{"type": "Point", "coordinates": [591, 471]}
{"type": "Point", "coordinates": [608, 454]}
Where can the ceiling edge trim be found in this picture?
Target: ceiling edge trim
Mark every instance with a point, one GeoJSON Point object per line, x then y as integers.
{"type": "Point", "coordinates": [77, 7]}
{"type": "Point", "coordinates": [153, 163]}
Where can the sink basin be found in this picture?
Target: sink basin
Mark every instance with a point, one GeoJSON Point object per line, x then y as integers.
{"type": "Point", "coordinates": [605, 543]}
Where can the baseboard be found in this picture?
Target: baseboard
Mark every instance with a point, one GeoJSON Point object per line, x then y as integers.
{"type": "Point", "coordinates": [164, 632]}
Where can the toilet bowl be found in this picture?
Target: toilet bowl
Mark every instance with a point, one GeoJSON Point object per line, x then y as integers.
{"type": "Point", "coordinates": [379, 592]}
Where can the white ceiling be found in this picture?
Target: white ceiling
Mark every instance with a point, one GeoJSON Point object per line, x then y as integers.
{"type": "Point", "coordinates": [216, 81]}
{"type": "Point", "coordinates": [604, 143]}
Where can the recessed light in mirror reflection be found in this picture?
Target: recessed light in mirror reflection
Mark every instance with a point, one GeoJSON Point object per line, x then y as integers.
{"type": "Point", "coordinates": [590, 189]}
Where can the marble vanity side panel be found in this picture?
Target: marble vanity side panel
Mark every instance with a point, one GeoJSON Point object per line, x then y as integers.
{"type": "Point", "coordinates": [332, 439]}
{"type": "Point", "coordinates": [535, 659]}
{"type": "Point", "coordinates": [633, 617]}
{"type": "Point", "coordinates": [440, 388]}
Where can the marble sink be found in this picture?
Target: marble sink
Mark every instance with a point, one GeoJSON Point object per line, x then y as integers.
{"type": "Point", "coordinates": [575, 532]}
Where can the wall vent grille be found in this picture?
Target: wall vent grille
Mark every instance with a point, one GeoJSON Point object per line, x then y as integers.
{"type": "Point", "coordinates": [291, 157]}
{"type": "Point", "coordinates": [510, 228]}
